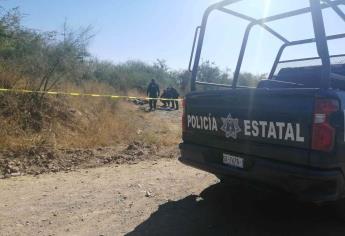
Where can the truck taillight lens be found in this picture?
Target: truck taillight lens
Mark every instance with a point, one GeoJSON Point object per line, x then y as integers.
{"type": "Point", "coordinates": [184, 124]}
{"type": "Point", "coordinates": [323, 133]}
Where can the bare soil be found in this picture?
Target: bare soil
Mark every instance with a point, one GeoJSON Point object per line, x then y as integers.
{"type": "Point", "coordinates": [160, 197]}
{"type": "Point", "coordinates": [39, 160]}
{"type": "Point", "coordinates": [156, 135]}
{"type": "Point", "coordinates": [141, 189]}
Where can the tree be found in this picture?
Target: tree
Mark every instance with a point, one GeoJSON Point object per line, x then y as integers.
{"type": "Point", "coordinates": [42, 59]}
{"type": "Point", "coordinates": [182, 80]}
{"type": "Point", "coordinates": [249, 79]}
{"type": "Point", "coordinates": [65, 58]}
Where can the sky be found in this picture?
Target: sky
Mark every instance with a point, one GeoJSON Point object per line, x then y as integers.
{"type": "Point", "coordinates": [163, 29]}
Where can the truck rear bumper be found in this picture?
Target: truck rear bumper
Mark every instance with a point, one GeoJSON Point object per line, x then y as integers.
{"type": "Point", "coordinates": [307, 184]}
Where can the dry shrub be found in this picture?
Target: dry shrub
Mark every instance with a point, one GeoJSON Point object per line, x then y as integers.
{"type": "Point", "coordinates": [98, 122]}
{"type": "Point", "coordinates": [92, 123]}
{"type": "Point", "coordinates": [80, 122]}
{"type": "Point", "coordinates": [24, 118]}
{"type": "Point", "coordinates": [9, 79]}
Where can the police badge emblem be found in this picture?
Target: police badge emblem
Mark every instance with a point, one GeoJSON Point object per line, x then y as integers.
{"type": "Point", "coordinates": [230, 127]}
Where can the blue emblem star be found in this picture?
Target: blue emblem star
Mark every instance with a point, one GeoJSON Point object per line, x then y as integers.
{"type": "Point", "coordinates": [230, 127]}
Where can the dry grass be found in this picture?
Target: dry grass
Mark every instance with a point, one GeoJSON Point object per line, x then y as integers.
{"type": "Point", "coordinates": [12, 137]}
{"type": "Point", "coordinates": [97, 122]}
{"type": "Point", "coordinates": [84, 122]}
{"type": "Point", "coordinates": [163, 131]}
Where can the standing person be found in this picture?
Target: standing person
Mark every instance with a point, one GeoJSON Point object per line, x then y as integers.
{"type": "Point", "coordinates": [153, 93]}
{"type": "Point", "coordinates": [169, 96]}
{"type": "Point", "coordinates": [174, 95]}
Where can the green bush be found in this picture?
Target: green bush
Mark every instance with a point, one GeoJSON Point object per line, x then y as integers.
{"type": "Point", "coordinates": [46, 60]}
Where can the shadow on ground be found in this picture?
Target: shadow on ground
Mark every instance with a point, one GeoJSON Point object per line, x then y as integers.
{"type": "Point", "coordinates": [233, 210]}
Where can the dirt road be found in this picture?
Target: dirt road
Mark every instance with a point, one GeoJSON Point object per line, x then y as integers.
{"type": "Point", "coordinates": [151, 198]}
{"type": "Point", "coordinates": [111, 200]}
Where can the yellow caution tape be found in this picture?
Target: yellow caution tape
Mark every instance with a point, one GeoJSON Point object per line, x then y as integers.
{"type": "Point", "coordinates": [84, 94]}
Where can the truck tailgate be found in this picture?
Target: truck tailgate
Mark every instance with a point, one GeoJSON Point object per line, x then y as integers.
{"type": "Point", "coordinates": [273, 124]}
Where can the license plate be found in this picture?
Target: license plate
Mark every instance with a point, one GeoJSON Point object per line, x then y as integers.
{"type": "Point", "coordinates": [233, 161]}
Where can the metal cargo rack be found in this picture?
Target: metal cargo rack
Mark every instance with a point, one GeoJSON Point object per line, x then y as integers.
{"type": "Point", "coordinates": [321, 39]}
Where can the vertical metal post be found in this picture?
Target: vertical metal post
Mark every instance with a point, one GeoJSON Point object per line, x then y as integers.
{"type": "Point", "coordinates": [193, 48]}
{"type": "Point", "coordinates": [276, 61]}
{"type": "Point", "coordinates": [321, 42]}
{"type": "Point", "coordinates": [241, 56]}
{"type": "Point", "coordinates": [202, 36]}
{"type": "Point", "coordinates": [199, 49]}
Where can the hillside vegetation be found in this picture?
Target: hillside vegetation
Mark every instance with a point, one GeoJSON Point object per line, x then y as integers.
{"type": "Point", "coordinates": [60, 61]}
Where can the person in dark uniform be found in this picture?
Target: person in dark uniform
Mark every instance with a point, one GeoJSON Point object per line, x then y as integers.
{"type": "Point", "coordinates": [169, 96]}
{"type": "Point", "coordinates": [153, 92]}
{"type": "Point", "coordinates": [165, 96]}
{"type": "Point", "coordinates": [174, 95]}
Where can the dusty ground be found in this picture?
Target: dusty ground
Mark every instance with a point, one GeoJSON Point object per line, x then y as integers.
{"type": "Point", "coordinates": [151, 198]}
{"type": "Point", "coordinates": [112, 200]}
{"type": "Point", "coordinates": [141, 189]}
{"type": "Point", "coordinates": [154, 135]}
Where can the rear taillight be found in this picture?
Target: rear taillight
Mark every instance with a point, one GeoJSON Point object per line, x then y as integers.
{"type": "Point", "coordinates": [323, 133]}
{"type": "Point", "coordinates": [184, 122]}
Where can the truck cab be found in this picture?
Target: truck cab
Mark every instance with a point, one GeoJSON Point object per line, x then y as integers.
{"type": "Point", "coordinates": [288, 132]}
